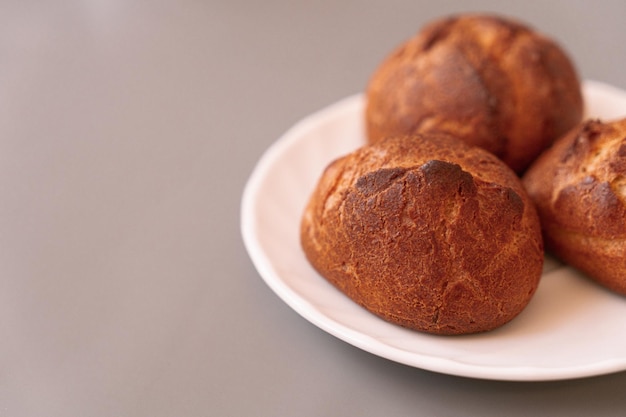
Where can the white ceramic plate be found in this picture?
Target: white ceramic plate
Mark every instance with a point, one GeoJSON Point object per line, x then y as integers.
{"type": "Point", "coordinates": [572, 328]}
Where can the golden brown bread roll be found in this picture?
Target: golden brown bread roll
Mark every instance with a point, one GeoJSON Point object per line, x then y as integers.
{"type": "Point", "coordinates": [493, 82]}
{"type": "Point", "coordinates": [426, 232]}
{"type": "Point", "coordinates": [579, 188]}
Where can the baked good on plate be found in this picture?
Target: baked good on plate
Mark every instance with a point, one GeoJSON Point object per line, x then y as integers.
{"type": "Point", "coordinates": [579, 188]}
{"type": "Point", "coordinates": [489, 80]}
{"type": "Point", "coordinates": [426, 232]}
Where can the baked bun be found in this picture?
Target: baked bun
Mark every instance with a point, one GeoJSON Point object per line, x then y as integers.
{"type": "Point", "coordinates": [579, 188]}
{"type": "Point", "coordinates": [493, 82]}
{"type": "Point", "coordinates": [426, 232]}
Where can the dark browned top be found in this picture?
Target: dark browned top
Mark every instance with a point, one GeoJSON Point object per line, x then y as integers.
{"type": "Point", "coordinates": [580, 183]}
{"type": "Point", "coordinates": [579, 188]}
{"type": "Point", "coordinates": [426, 232]}
{"type": "Point", "coordinates": [493, 82]}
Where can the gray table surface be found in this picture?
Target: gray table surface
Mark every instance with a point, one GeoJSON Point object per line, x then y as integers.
{"type": "Point", "coordinates": [127, 132]}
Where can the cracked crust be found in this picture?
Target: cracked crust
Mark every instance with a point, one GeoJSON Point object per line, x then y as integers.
{"type": "Point", "coordinates": [493, 82]}
{"type": "Point", "coordinates": [426, 232]}
{"type": "Point", "coordinates": [579, 188]}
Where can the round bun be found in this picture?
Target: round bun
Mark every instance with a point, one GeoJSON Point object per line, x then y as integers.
{"type": "Point", "coordinates": [426, 232]}
{"type": "Point", "coordinates": [492, 82]}
{"type": "Point", "coordinates": [579, 188]}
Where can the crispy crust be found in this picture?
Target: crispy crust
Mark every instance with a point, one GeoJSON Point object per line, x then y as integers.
{"type": "Point", "coordinates": [426, 232]}
{"type": "Point", "coordinates": [579, 188]}
{"type": "Point", "coordinates": [493, 82]}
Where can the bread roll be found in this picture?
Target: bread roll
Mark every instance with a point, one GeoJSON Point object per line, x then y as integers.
{"type": "Point", "coordinates": [426, 232]}
{"type": "Point", "coordinates": [493, 82]}
{"type": "Point", "coordinates": [579, 188]}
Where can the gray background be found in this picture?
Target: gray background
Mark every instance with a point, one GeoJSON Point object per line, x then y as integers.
{"type": "Point", "coordinates": [127, 132]}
